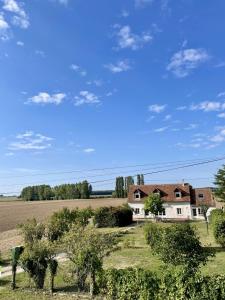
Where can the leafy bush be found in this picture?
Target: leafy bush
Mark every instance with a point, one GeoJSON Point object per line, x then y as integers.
{"type": "Point", "coordinates": [113, 216]}
{"type": "Point", "coordinates": [153, 234]}
{"type": "Point", "coordinates": [139, 284]}
{"type": "Point", "coordinates": [219, 231]}
{"type": "Point", "coordinates": [178, 245]}
{"type": "Point", "coordinates": [128, 283]}
{"type": "Point", "coordinates": [60, 222]}
{"type": "Point", "coordinates": [215, 215]}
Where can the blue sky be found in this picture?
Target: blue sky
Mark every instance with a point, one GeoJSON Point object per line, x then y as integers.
{"type": "Point", "coordinates": [91, 84]}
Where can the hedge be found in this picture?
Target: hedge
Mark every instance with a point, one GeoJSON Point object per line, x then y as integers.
{"type": "Point", "coordinates": [113, 216]}
{"type": "Point", "coordinates": [140, 284]}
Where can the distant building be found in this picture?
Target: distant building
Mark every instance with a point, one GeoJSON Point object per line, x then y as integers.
{"type": "Point", "coordinates": [181, 201]}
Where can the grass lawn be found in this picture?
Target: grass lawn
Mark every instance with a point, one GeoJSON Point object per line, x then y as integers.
{"type": "Point", "coordinates": [134, 252]}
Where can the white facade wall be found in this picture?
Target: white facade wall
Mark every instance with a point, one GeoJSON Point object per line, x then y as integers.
{"type": "Point", "coordinates": [175, 210]}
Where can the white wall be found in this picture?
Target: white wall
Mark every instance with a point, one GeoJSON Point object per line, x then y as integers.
{"type": "Point", "coordinates": [171, 211]}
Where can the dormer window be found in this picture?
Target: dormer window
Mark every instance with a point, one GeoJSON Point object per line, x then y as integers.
{"type": "Point", "coordinates": [137, 195]}
{"type": "Point", "coordinates": [201, 196]}
{"type": "Point", "coordinates": [178, 194]}
{"type": "Point", "coordinates": [157, 192]}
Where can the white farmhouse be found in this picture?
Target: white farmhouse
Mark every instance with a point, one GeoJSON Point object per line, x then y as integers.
{"type": "Point", "coordinates": [180, 201]}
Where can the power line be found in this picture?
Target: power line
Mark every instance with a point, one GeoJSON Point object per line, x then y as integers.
{"type": "Point", "coordinates": [82, 178]}
{"type": "Point", "coordinates": [98, 169]}
{"type": "Point", "coordinates": [160, 171]}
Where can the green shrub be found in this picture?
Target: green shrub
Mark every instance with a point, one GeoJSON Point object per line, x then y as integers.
{"type": "Point", "coordinates": [129, 283]}
{"type": "Point", "coordinates": [174, 284]}
{"type": "Point", "coordinates": [113, 216]}
{"type": "Point", "coordinates": [216, 214]}
{"type": "Point", "coordinates": [60, 222]}
{"type": "Point", "coordinates": [153, 234]}
{"type": "Point", "coordinates": [219, 231]}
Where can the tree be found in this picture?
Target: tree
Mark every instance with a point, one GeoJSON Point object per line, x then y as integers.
{"type": "Point", "coordinates": [128, 182]}
{"type": "Point", "coordinates": [204, 209]}
{"type": "Point", "coordinates": [179, 245]}
{"type": "Point", "coordinates": [153, 204]}
{"type": "Point", "coordinates": [220, 183]}
{"type": "Point", "coordinates": [38, 253]}
{"type": "Point", "coordinates": [86, 249]}
{"type": "Point", "coordinates": [140, 179]}
{"type": "Point", "coordinates": [120, 187]}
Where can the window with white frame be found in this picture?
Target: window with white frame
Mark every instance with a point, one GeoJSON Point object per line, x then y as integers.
{"type": "Point", "coordinates": [163, 213]}
{"type": "Point", "coordinates": [137, 211]}
{"type": "Point", "coordinates": [194, 212]}
{"type": "Point", "coordinates": [179, 211]}
{"type": "Point", "coordinates": [200, 211]}
{"type": "Point", "coordinates": [178, 194]}
{"type": "Point", "coordinates": [201, 196]}
{"type": "Point", "coordinates": [137, 196]}
{"type": "Point", "coordinates": [157, 192]}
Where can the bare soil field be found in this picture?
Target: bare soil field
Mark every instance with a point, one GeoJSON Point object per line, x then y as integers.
{"type": "Point", "coordinates": [16, 212]}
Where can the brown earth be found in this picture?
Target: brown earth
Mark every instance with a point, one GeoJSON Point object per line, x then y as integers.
{"type": "Point", "coordinates": [16, 212]}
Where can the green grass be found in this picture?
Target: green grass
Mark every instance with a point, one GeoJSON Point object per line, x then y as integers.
{"type": "Point", "coordinates": [134, 252]}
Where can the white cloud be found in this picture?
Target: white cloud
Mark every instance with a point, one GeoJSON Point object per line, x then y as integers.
{"type": "Point", "coordinates": [167, 117]}
{"type": "Point", "coordinates": [220, 137]}
{"type": "Point", "coordinates": [45, 98]}
{"type": "Point", "coordinates": [86, 97]}
{"type": "Point", "coordinates": [221, 95]}
{"type": "Point", "coordinates": [64, 2]}
{"type": "Point", "coordinates": [97, 82]}
{"type": "Point", "coordinates": [181, 108]}
{"type": "Point", "coordinates": [161, 129]}
{"type": "Point", "coordinates": [4, 27]}
{"type": "Point", "coordinates": [89, 150]}
{"type": "Point", "coordinates": [20, 17]}
{"type": "Point", "coordinates": [120, 66]}
{"type": "Point", "coordinates": [142, 3]}
{"type": "Point", "coordinates": [221, 115]}
{"type": "Point", "coordinates": [30, 141]}
{"type": "Point", "coordinates": [78, 69]}
{"type": "Point", "coordinates": [184, 61]}
{"type": "Point", "coordinates": [40, 53]}
{"type": "Point", "coordinates": [19, 43]}
{"type": "Point", "coordinates": [128, 39]}
{"type": "Point", "coordinates": [125, 13]}
{"type": "Point", "coordinates": [156, 108]}
{"type": "Point", "coordinates": [207, 106]}
{"type": "Point", "coordinates": [191, 126]}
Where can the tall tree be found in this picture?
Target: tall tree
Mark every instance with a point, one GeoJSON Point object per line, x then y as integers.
{"type": "Point", "coordinates": [220, 183]}
{"type": "Point", "coordinates": [128, 181]}
{"type": "Point", "coordinates": [138, 179]}
{"type": "Point", "coordinates": [142, 181]}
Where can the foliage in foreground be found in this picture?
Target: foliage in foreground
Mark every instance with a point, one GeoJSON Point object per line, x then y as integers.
{"type": "Point", "coordinates": [86, 248]}
{"type": "Point", "coordinates": [177, 245]}
{"type": "Point", "coordinates": [139, 284]}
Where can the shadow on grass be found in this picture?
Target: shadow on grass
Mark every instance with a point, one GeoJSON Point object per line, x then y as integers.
{"type": "Point", "coordinates": [216, 249]}
{"type": "Point", "coordinates": [5, 282]}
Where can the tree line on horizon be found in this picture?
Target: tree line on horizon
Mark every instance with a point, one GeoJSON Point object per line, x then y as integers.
{"type": "Point", "coordinates": [80, 190]}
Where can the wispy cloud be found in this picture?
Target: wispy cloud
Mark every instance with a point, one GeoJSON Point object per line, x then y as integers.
{"type": "Point", "coordinates": [4, 26]}
{"type": "Point", "coordinates": [124, 13]}
{"type": "Point", "coordinates": [120, 66]}
{"type": "Point", "coordinates": [185, 61]}
{"type": "Point", "coordinates": [127, 39]}
{"type": "Point", "coordinates": [78, 70]}
{"type": "Point", "coordinates": [86, 97]}
{"type": "Point", "coordinates": [221, 115]}
{"type": "Point", "coordinates": [20, 43]}
{"type": "Point", "coordinates": [89, 150]}
{"type": "Point", "coordinates": [30, 141]}
{"type": "Point", "coordinates": [46, 98]}
{"type": "Point", "coordinates": [156, 108]}
{"type": "Point", "coordinates": [208, 106]}
{"type": "Point", "coordinates": [161, 129]}
{"type": "Point", "coordinates": [142, 3]}
{"type": "Point", "coordinates": [20, 17]}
